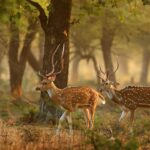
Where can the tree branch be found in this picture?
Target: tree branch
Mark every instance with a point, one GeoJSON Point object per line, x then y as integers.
{"type": "Point", "coordinates": [42, 16]}
{"type": "Point", "coordinates": [35, 64]}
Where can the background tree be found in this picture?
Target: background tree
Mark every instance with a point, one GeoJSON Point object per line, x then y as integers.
{"type": "Point", "coordinates": [17, 65]}
{"type": "Point", "coordinates": [109, 27]}
{"type": "Point", "coordinates": [143, 38]}
{"type": "Point", "coordinates": [86, 45]}
{"type": "Point", "coordinates": [19, 22]}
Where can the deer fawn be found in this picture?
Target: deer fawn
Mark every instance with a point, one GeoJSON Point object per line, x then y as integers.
{"type": "Point", "coordinates": [70, 98]}
{"type": "Point", "coordinates": [129, 98]}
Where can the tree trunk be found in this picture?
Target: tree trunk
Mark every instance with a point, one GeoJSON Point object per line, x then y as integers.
{"type": "Point", "coordinates": [34, 63]}
{"type": "Point", "coordinates": [41, 42]}
{"type": "Point", "coordinates": [96, 70]}
{"type": "Point", "coordinates": [108, 33]}
{"type": "Point", "coordinates": [106, 43]}
{"type": "Point", "coordinates": [26, 50]}
{"type": "Point", "coordinates": [15, 84]}
{"type": "Point", "coordinates": [145, 66]}
{"type": "Point", "coordinates": [54, 27]}
{"type": "Point", "coordinates": [58, 23]}
{"type": "Point", "coordinates": [17, 66]}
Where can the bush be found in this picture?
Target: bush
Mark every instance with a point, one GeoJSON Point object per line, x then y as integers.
{"type": "Point", "coordinates": [30, 116]}
{"type": "Point", "coordinates": [131, 145]}
{"type": "Point", "coordinates": [101, 142]}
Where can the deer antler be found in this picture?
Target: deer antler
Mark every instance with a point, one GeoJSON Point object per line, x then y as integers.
{"type": "Point", "coordinates": [40, 74]}
{"type": "Point", "coordinates": [107, 73]}
{"type": "Point", "coordinates": [62, 60]}
{"type": "Point", "coordinates": [116, 67]}
{"type": "Point", "coordinates": [53, 65]}
{"type": "Point", "coordinates": [101, 72]}
{"type": "Point", "coordinates": [100, 69]}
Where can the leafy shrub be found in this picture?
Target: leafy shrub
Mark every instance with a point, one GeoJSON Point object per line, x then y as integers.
{"type": "Point", "coordinates": [101, 142]}
{"type": "Point", "coordinates": [29, 116]}
{"type": "Point", "coordinates": [132, 144]}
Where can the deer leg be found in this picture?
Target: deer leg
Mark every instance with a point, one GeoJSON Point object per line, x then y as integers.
{"type": "Point", "coordinates": [123, 115]}
{"type": "Point", "coordinates": [87, 117]}
{"type": "Point", "coordinates": [62, 118]}
{"type": "Point", "coordinates": [69, 119]}
{"type": "Point", "coordinates": [92, 112]}
{"type": "Point", "coordinates": [131, 120]}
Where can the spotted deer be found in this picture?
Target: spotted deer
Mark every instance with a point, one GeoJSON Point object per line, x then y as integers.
{"type": "Point", "coordinates": [129, 98]}
{"type": "Point", "coordinates": [70, 98]}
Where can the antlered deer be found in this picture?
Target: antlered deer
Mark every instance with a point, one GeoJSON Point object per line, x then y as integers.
{"type": "Point", "coordinates": [70, 98]}
{"type": "Point", "coordinates": [129, 98]}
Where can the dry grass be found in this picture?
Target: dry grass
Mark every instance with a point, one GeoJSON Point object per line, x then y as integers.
{"type": "Point", "coordinates": [14, 136]}
{"type": "Point", "coordinates": [38, 138]}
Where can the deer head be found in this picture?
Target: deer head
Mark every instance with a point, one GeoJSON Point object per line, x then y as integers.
{"type": "Point", "coordinates": [106, 84]}
{"type": "Point", "coordinates": [50, 77]}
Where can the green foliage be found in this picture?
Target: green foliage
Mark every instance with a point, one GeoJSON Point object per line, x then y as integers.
{"type": "Point", "coordinates": [16, 17]}
{"type": "Point", "coordinates": [49, 8]}
{"type": "Point", "coordinates": [45, 4]}
{"type": "Point", "coordinates": [101, 142]}
{"type": "Point", "coordinates": [146, 2]}
{"type": "Point", "coordinates": [30, 115]}
{"type": "Point", "coordinates": [17, 12]}
{"type": "Point", "coordinates": [132, 144]}
{"type": "Point", "coordinates": [124, 18]}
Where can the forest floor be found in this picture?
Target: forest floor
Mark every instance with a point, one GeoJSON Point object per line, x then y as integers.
{"type": "Point", "coordinates": [19, 132]}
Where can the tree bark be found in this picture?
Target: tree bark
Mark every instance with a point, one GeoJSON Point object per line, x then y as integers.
{"type": "Point", "coordinates": [17, 66]}
{"type": "Point", "coordinates": [15, 84]}
{"type": "Point", "coordinates": [145, 66]}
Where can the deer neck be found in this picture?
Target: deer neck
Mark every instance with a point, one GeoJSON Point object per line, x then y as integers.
{"type": "Point", "coordinates": [112, 95]}
{"type": "Point", "coordinates": [52, 90]}
{"type": "Point", "coordinates": [115, 96]}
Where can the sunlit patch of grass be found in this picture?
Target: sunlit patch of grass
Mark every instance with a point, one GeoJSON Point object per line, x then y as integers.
{"type": "Point", "coordinates": [37, 137]}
